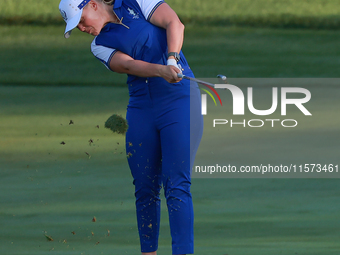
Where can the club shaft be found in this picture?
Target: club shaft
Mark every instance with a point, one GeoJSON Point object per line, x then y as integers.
{"type": "Point", "coordinates": [195, 80]}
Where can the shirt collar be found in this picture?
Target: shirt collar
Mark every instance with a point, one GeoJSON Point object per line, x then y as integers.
{"type": "Point", "coordinates": [117, 4]}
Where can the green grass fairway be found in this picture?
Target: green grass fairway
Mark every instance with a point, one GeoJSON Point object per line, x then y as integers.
{"type": "Point", "coordinates": [259, 13]}
{"type": "Point", "coordinates": [55, 176]}
{"type": "Point", "coordinates": [47, 186]}
{"type": "Point", "coordinates": [191, 8]}
{"type": "Point", "coordinates": [41, 56]}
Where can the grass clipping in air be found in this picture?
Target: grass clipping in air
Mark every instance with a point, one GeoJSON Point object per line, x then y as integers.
{"type": "Point", "coordinates": [117, 124]}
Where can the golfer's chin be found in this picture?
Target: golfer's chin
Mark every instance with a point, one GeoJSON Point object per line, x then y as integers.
{"type": "Point", "coordinates": [92, 32]}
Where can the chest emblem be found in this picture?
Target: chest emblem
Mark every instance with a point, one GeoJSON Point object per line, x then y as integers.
{"type": "Point", "coordinates": [133, 13]}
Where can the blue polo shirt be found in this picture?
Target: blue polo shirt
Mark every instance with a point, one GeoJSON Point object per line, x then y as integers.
{"type": "Point", "coordinates": [137, 38]}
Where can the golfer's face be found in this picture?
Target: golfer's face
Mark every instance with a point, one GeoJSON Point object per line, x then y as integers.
{"type": "Point", "coordinates": [90, 21]}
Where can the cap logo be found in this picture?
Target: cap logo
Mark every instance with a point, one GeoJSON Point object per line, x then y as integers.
{"type": "Point", "coordinates": [63, 14]}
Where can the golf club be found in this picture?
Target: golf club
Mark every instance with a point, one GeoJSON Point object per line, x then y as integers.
{"type": "Point", "coordinates": [207, 84]}
{"type": "Point", "coordinates": [182, 76]}
{"type": "Point", "coordinates": [221, 77]}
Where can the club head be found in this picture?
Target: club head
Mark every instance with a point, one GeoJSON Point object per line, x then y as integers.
{"type": "Point", "coordinates": [222, 78]}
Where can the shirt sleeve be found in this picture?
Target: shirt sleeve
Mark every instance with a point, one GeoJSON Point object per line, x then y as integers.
{"type": "Point", "coordinates": [148, 7]}
{"type": "Point", "coordinates": [104, 54]}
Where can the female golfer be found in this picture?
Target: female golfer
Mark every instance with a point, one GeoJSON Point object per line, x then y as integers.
{"type": "Point", "coordinates": [143, 38]}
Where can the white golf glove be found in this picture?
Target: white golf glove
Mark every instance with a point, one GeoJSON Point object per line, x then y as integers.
{"type": "Point", "coordinates": [173, 62]}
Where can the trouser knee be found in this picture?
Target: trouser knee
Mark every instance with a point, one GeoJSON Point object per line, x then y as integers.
{"type": "Point", "coordinates": [146, 196]}
{"type": "Point", "coordinates": [179, 192]}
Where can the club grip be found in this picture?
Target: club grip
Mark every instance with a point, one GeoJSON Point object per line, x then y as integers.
{"type": "Point", "coordinates": [180, 75]}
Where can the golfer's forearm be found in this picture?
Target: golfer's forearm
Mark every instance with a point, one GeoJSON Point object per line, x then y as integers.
{"type": "Point", "coordinates": [145, 69]}
{"type": "Point", "coordinates": [140, 68]}
{"type": "Point", "coordinates": [175, 36]}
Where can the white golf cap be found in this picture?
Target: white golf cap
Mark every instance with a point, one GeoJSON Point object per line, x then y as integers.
{"type": "Point", "coordinates": [71, 10]}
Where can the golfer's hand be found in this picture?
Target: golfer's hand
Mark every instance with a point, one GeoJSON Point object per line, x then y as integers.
{"type": "Point", "coordinates": [169, 73]}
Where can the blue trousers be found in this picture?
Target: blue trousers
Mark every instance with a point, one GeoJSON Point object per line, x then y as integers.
{"type": "Point", "coordinates": [165, 129]}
